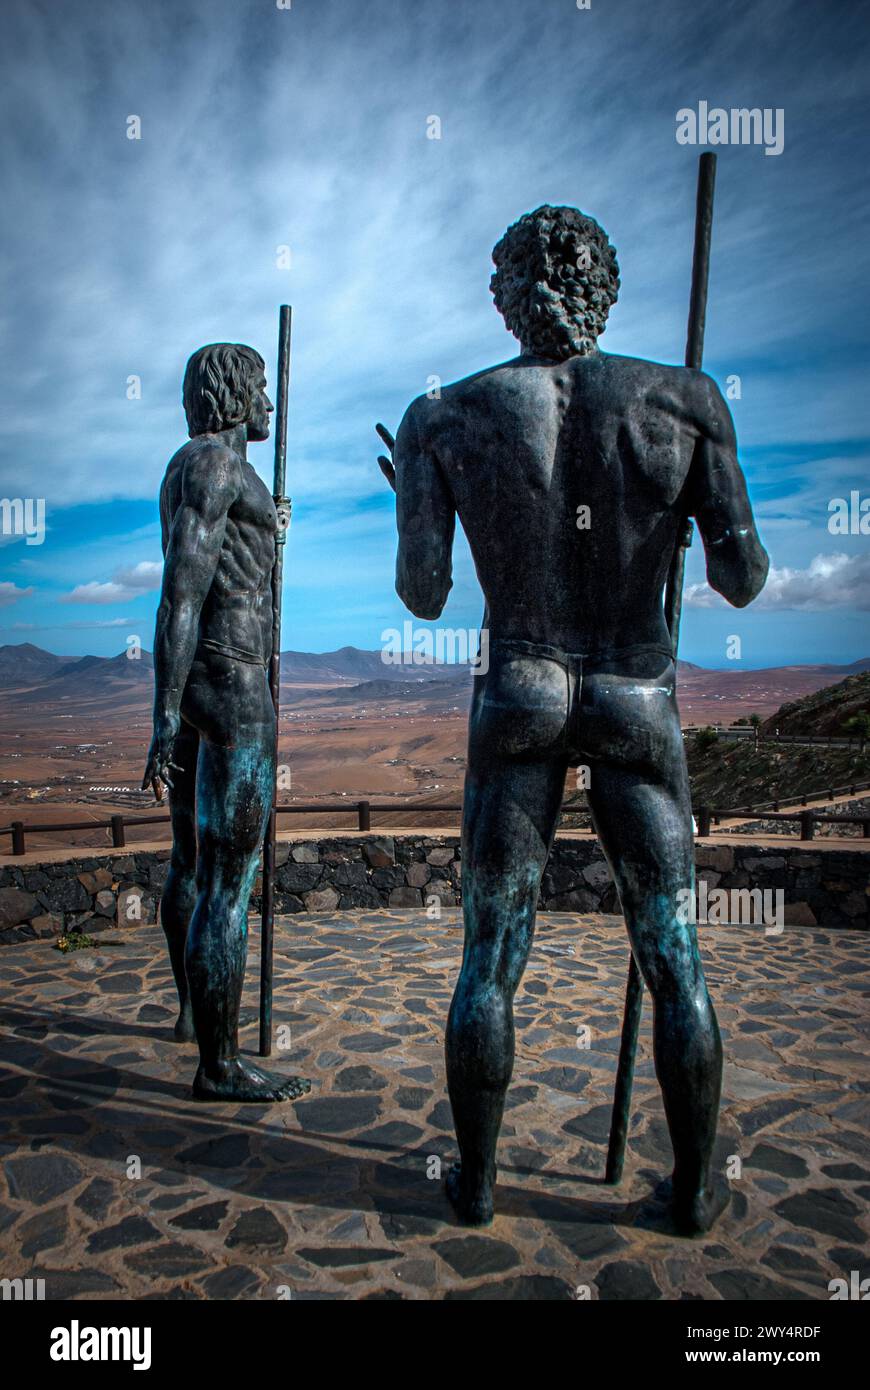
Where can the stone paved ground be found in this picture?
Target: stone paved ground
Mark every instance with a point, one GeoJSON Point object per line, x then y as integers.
{"type": "Point", "coordinates": [331, 1198]}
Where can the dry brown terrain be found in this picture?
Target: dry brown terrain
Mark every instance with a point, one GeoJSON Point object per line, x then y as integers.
{"type": "Point", "coordinates": [73, 734]}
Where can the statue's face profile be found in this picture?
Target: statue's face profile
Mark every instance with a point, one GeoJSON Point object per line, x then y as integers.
{"type": "Point", "coordinates": [260, 410]}
{"type": "Point", "coordinates": [224, 387]}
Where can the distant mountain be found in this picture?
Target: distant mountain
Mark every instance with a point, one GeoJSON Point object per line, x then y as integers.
{"type": "Point", "coordinates": [434, 692]}
{"type": "Point", "coordinates": [353, 664]}
{"type": "Point", "coordinates": [22, 663]}
{"type": "Point", "coordinates": [94, 680]}
{"type": "Point", "coordinates": [351, 676]}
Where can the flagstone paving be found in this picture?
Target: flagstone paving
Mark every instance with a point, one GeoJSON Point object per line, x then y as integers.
{"type": "Point", "coordinates": [118, 1185]}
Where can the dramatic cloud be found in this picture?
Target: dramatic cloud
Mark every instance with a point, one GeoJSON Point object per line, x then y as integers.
{"type": "Point", "coordinates": [126, 584]}
{"type": "Point", "coordinates": [830, 581]}
{"type": "Point", "coordinates": [10, 593]}
{"type": "Point", "coordinates": [306, 128]}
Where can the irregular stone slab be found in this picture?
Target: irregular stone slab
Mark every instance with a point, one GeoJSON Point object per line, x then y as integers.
{"type": "Point", "coordinates": [773, 1160]}
{"type": "Point", "coordinates": [96, 1198]}
{"type": "Point", "coordinates": [257, 1229]}
{"type": "Point", "coordinates": [570, 1079]}
{"type": "Point", "coordinates": [234, 1282]}
{"type": "Point", "coordinates": [61, 1284]}
{"type": "Point", "coordinates": [206, 1217]}
{"type": "Point", "coordinates": [42, 1177]}
{"type": "Point", "coordinates": [337, 1114]}
{"type": "Point", "coordinates": [43, 1232]}
{"type": "Point", "coordinates": [337, 1256]}
{"type": "Point", "coordinates": [133, 1230]}
{"type": "Point", "coordinates": [167, 1261]}
{"type": "Point", "coordinates": [227, 1151]}
{"type": "Point", "coordinates": [593, 1124]}
{"type": "Point", "coordinates": [746, 1286]}
{"type": "Point", "coordinates": [473, 1256]}
{"type": "Point", "coordinates": [824, 1209]}
{"type": "Point", "coordinates": [367, 1042]}
{"type": "Point", "coordinates": [361, 1078]}
{"type": "Point", "coordinates": [526, 1288]}
{"type": "Point", "coordinates": [626, 1279]}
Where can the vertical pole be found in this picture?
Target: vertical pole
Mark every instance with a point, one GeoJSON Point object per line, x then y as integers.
{"type": "Point", "coordinates": [282, 506]}
{"type": "Point", "coordinates": [673, 613]}
{"type": "Point", "coordinates": [18, 837]}
{"type": "Point", "coordinates": [624, 1074]}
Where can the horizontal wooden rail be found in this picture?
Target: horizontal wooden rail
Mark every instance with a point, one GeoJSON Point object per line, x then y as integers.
{"type": "Point", "coordinates": [363, 810]}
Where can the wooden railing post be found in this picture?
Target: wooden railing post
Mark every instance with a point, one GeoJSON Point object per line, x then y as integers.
{"type": "Point", "coordinates": [118, 838]}
{"type": "Point", "coordinates": [806, 819]}
{"type": "Point", "coordinates": [18, 837]}
{"type": "Point", "coordinates": [365, 815]}
{"type": "Point", "coordinates": [703, 820]}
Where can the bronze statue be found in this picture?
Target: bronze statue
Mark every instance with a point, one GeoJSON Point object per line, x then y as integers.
{"type": "Point", "coordinates": [572, 472]}
{"type": "Point", "coordinates": [214, 741]}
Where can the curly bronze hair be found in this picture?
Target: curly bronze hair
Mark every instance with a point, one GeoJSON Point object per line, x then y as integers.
{"type": "Point", "coordinates": [555, 282]}
{"type": "Point", "coordinates": [219, 387]}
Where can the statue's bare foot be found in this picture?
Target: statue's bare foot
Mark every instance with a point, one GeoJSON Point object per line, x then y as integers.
{"type": "Point", "coordinates": [473, 1208]}
{"type": "Point", "coordinates": [237, 1080]}
{"type": "Point", "coordinates": [695, 1212]}
{"type": "Point", "coordinates": [184, 1031]}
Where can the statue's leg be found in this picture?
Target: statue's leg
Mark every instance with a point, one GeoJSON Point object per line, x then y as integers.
{"type": "Point", "coordinates": [179, 893]}
{"type": "Point", "coordinates": [235, 781]}
{"type": "Point", "coordinates": [640, 801]}
{"type": "Point", "coordinates": [511, 807]}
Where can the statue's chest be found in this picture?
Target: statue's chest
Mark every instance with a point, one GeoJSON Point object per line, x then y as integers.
{"type": "Point", "coordinates": [254, 506]}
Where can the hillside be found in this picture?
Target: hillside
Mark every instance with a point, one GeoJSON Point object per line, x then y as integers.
{"type": "Point", "coordinates": [727, 774]}
{"type": "Point", "coordinates": [825, 711]}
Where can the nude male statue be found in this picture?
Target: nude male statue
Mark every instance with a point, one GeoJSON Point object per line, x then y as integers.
{"type": "Point", "coordinates": [581, 667]}
{"type": "Point", "coordinates": [214, 720]}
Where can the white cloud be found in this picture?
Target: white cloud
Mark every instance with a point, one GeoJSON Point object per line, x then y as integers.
{"type": "Point", "coordinates": [829, 581]}
{"type": "Point", "coordinates": [126, 584]}
{"type": "Point", "coordinates": [141, 578]}
{"type": "Point", "coordinates": [10, 593]}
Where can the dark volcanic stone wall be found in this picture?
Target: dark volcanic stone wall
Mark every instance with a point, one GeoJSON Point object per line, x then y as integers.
{"type": "Point", "coordinates": [419, 871]}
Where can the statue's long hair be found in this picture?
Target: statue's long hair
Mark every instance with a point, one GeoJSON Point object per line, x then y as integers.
{"type": "Point", "coordinates": [555, 281]}
{"type": "Point", "coordinates": [219, 387]}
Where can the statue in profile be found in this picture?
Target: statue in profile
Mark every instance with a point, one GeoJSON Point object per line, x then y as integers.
{"type": "Point", "coordinates": [214, 742]}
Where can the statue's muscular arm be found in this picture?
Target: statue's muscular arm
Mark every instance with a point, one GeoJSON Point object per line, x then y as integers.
{"type": "Point", "coordinates": [426, 518]}
{"type": "Point", "coordinates": [737, 562]}
{"type": "Point", "coordinates": [211, 482]}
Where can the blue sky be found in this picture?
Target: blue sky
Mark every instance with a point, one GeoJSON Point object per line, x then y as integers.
{"type": "Point", "coordinates": [307, 127]}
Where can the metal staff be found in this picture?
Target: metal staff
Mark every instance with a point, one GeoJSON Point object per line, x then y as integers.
{"type": "Point", "coordinates": [673, 611]}
{"type": "Point", "coordinates": [282, 506]}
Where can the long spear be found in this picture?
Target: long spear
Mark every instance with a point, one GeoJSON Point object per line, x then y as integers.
{"type": "Point", "coordinates": [282, 506]}
{"type": "Point", "coordinates": [673, 611]}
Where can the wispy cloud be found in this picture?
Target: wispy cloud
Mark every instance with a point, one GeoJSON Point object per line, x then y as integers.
{"type": "Point", "coordinates": [829, 581]}
{"type": "Point", "coordinates": [127, 584]}
{"type": "Point", "coordinates": [307, 128]}
{"type": "Point", "coordinates": [10, 593]}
